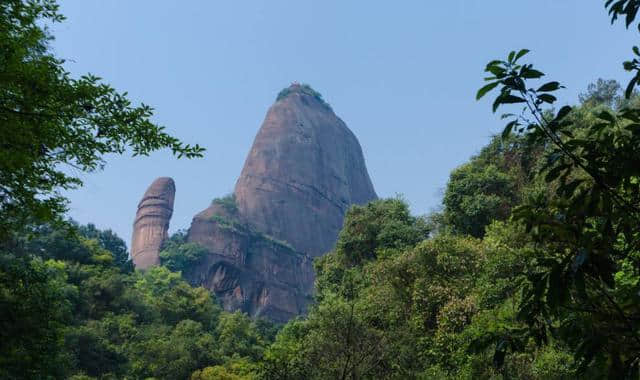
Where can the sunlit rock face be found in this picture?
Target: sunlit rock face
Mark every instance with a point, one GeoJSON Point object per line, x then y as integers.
{"type": "Point", "coordinates": [304, 170]}
{"type": "Point", "coordinates": [152, 222]}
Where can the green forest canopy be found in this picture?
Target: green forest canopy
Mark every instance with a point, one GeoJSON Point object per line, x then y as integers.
{"type": "Point", "coordinates": [530, 271]}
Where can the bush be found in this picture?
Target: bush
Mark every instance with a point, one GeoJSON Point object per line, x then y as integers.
{"type": "Point", "coordinates": [303, 88]}
{"type": "Point", "coordinates": [228, 202]}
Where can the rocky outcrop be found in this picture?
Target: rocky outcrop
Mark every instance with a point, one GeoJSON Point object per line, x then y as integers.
{"type": "Point", "coordinates": [248, 270]}
{"type": "Point", "coordinates": [304, 170]}
{"type": "Point", "coordinates": [152, 222]}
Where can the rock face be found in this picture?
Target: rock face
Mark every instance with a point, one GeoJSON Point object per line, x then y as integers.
{"type": "Point", "coordinates": [304, 170]}
{"type": "Point", "coordinates": [152, 222]}
{"type": "Point", "coordinates": [248, 270]}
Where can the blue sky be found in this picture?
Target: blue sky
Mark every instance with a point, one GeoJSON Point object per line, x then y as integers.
{"type": "Point", "coordinates": [402, 75]}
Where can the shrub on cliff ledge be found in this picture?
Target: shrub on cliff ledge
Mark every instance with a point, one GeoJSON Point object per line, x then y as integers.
{"type": "Point", "coordinates": [303, 88]}
{"type": "Point", "coordinates": [177, 254]}
{"type": "Point", "coordinates": [228, 202]}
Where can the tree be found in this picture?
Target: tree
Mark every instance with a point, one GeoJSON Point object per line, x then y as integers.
{"type": "Point", "coordinates": [178, 255]}
{"type": "Point", "coordinates": [176, 355]}
{"type": "Point", "coordinates": [381, 224]}
{"type": "Point", "coordinates": [287, 358]}
{"type": "Point", "coordinates": [175, 300]}
{"type": "Point", "coordinates": [583, 283]}
{"type": "Point", "coordinates": [109, 241]}
{"type": "Point", "coordinates": [34, 308]}
{"type": "Point", "coordinates": [49, 120]}
{"type": "Point", "coordinates": [605, 92]}
{"type": "Point", "coordinates": [237, 336]}
{"type": "Point", "coordinates": [237, 369]}
{"type": "Point", "coordinates": [476, 196]}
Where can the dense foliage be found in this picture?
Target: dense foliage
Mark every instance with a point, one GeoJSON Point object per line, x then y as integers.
{"type": "Point", "coordinates": [70, 309]}
{"type": "Point", "coordinates": [177, 254]}
{"type": "Point", "coordinates": [49, 120]}
{"type": "Point", "coordinates": [531, 271]}
{"type": "Point", "coordinates": [581, 285]}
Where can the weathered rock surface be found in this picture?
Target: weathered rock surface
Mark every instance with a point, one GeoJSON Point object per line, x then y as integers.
{"type": "Point", "coordinates": [304, 170]}
{"type": "Point", "coordinates": [248, 270]}
{"type": "Point", "coordinates": [152, 222]}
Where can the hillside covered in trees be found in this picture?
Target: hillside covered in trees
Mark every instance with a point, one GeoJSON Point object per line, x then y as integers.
{"type": "Point", "coordinates": [531, 270]}
{"type": "Point", "coordinates": [399, 297]}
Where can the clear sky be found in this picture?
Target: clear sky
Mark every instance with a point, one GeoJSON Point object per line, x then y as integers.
{"type": "Point", "coordinates": [402, 75]}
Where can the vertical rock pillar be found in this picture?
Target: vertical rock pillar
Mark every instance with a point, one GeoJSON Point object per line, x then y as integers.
{"type": "Point", "coordinates": [152, 222]}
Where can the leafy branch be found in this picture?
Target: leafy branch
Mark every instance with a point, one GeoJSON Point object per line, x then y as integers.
{"type": "Point", "coordinates": [513, 76]}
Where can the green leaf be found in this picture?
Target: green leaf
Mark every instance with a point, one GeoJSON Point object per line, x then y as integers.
{"type": "Point", "coordinates": [564, 111]}
{"type": "Point", "coordinates": [532, 74]}
{"type": "Point", "coordinates": [631, 13]}
{"type": "Point", "coordinates": [547, 98]}
{"type": "Point", "coordinates": [496, 103]}
{"type": "Point", "coordinates": [485, 89]}
{"type": "Point", "coordinates": [628, 65]}
{"type": "Point", "coordinates": [632, 84]}
{"type": "Point", "coordinates": [498, 71]}
{"type": "Point", "coordinates": [571, 187]}
{"type": "Point", "coordinates": [515, 83]}
{"type": "Point", "coordinates": [508, 128]}
{"type": "Point", "coordinates": [495, 62]}
{"type": "Point", "coordinates": [521, 54]}
{"type": "Point", "coordinates": [604, 115]}
{"type": "Point", "coordinates": [554, 173]}
{"type": "Point", "coordinates": [511, 99]}
{"type": "Point", "coordinates": [548, 87]}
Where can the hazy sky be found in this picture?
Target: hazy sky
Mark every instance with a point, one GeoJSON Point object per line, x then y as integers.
{"type": "Point", "coordinates": [401, 74]}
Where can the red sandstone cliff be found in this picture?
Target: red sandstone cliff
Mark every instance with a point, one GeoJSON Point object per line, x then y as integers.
{"type": "Point", "coordinates": [304, 170]}
{"type": "Point", "coordinates": [248, 270]}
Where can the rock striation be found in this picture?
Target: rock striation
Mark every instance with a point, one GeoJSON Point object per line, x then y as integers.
{"type": "Point", "coordinates": [152, 222]}
{"type": "Point", "coordinates": [304, 170]}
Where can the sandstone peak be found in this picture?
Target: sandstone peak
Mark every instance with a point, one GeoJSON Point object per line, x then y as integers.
{"type": "Point", "coordinates": [152, 222]}
{"type": "Point", "coordinates": [304, 170]}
